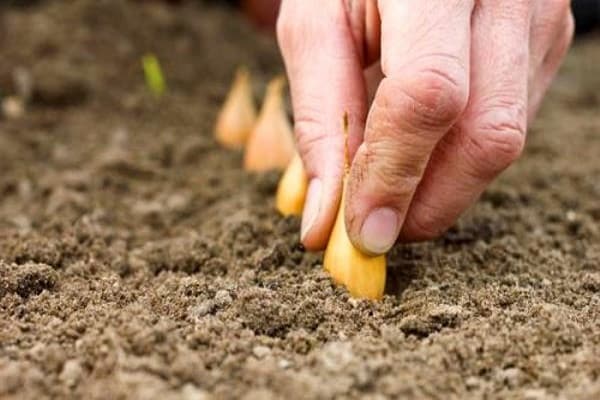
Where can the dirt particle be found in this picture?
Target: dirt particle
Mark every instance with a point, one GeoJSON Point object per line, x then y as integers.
{"type": "Point", "coordinates": [33, 248]}
{"type": "Point", "coordinates": [187, 253]}
{"type": "Point", "coordinates": [13, 107]}
{"type": "Point", "coordinates": [10, 377]}
{"type": "Point", "coordinates": [472, 383]}
{"type": "Point", "coordinates": [535, 394]}
{"type": "Point", "coordinates": [58, 85]}
{"type": "Point", "coordinates": [261, 351]}
{"type": "Point", "coordinates": [591, 282]}
{"type": "Point", "coordinates": [32, 279]}
{"type": "Point", "coordinates": [71, 372]}
{"type": "Point", "coordinates": [192, 392]}
{"type": "Point", "coordinates": [512, 377]}
{"type": "Point", "coordinates": [27, 279]}
{"type": "Point", "coordinates": [271, 257]}
{"type": "Point", "coordinates": [441, 316]}
{"type": "Point", "coordinates": [336, 356]}
{"type": "Point", "coordinates": [223, 298]}
{"type": "Point", "coordinates": [170, 265]}
{"type": "Point", "coordinates": [261, 312]}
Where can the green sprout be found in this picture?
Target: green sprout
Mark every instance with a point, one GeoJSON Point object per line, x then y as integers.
{"type": "Point", "coordinates": [154, 76]}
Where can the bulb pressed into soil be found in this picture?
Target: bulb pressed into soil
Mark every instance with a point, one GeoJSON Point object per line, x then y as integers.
{"type": "Point", "coordinates": [363, 275]}
{"type": "Point", "coordinates": [271, 143]}
{"type": "Point", "coordinates": [238, 114]}
{"type": "Point", "coordinates": [291, 191]}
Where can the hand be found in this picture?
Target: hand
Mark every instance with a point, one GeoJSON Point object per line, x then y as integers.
{"type": "Point", "coordinates": [460, 80]}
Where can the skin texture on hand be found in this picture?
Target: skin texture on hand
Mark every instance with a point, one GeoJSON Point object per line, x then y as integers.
{"type": "Point", "coordinates": [439, 94]}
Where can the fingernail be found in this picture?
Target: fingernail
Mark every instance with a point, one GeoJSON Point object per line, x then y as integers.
{"type": "Point", "coordinates": [312, 206]}
{"type": "Point", "coordinates": [380, 230]}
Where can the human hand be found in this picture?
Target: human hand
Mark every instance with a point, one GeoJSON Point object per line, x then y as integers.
{"type": "Point", "coordinates": [461, 80]}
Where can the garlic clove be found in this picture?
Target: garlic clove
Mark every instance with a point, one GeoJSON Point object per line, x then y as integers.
{"type": "Point", "coordinates": [291, 191]}
{"type": "Point", "coordinates": [271, 142]}
{"type": "Point", "coordinates": [364, 276]}
{"type": "Point", "coordinates": [238, 114]}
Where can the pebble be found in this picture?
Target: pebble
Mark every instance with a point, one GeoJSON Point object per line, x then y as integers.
{"type": "Point", "coordinates": [13, 107]}
{"type": "Point", "coordinates": [472, 382]}
{"type": "Point", "coordinates": [261, 351]}
{"type": "Point", "coordinates": [71, 373]}
{"type": "Point", "coordinates": [535, 394]}
{"type": "Point", "coordinates": [192, 392]}
{"type": "Point", "coordinates": [510, 376]}
{"type": "Point", "coordinates": [223, 298]}
{"type": "Point", "coordinates": [335, 356]}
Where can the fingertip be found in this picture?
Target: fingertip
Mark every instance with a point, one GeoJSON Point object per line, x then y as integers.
{"type": "Point", "coordinates": [375, 232]}
{"type": "Point", "coordinates": [322, 201]}
{"type": "Point", "coordinates": [372, 219]}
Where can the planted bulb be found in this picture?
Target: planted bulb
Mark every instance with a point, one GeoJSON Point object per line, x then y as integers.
{"type": "Point", "coordinates": [363, 275]}
{"type": "Point", "coordinates": [291, 191]}
{"type": "Point", "coordinates": [271, 143]}
{"type": "Point", "coordinates": [238, 114]}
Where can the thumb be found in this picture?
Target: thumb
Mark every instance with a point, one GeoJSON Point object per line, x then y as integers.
{"type": "Point", "coordinates": [326, 82]}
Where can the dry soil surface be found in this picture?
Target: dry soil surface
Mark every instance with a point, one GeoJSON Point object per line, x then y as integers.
{"type": "Point", "coordinates": [137, 260]}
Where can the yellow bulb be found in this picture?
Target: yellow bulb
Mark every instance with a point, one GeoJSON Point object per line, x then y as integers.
{"type": "Point", "coordinates": [271, 142]}
{"type": "Point", "coordinates": [361, 274]}
{"type": "Point", "coordinates": [291, 191]}
{"type": "Point", "coordinates": [238, 114]}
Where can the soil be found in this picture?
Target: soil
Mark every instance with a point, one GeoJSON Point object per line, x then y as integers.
{"type": "Point", "coordinates": [137, 260]}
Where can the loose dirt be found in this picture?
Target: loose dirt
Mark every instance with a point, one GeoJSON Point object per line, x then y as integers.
{"type": "Point", "coordinates": [137, 260]}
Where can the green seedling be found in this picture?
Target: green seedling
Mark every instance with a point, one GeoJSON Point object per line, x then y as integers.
{"type": "Point", "coordinates": [155, 80]}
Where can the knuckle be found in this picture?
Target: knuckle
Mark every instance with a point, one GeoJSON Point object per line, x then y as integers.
{"type": "Point", "coordinates": [298, 26]}
{"type": "Point", "coordinates": [398, 176]}
{"type": "Point", "coordinates": [495, 143]}
{"type": "Point", "coordinates": [553, 18]}
{"type": "Point", "coordinates": [434, 97]}
{"type": "Point", "coordinates": [424, 225]}
{"type": "Point", "coordinates": [312, 139]}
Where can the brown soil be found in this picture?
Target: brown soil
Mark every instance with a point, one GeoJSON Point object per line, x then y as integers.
{"type": "Point", "coordinates": [138, 261]}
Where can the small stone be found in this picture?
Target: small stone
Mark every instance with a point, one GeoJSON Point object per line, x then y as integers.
{"type": "Point", "coordinates": [391, 334]}
{"type": "Point", "coordinates": [261, 351]}
{"type": "Point", "coordinates": [472, 382]}
{"type": "Point", "coordinates": [21, 222]}
{"type": "Point", "coordinates": [284, 364]}
{"type": "Point", "coordinates": [191, 392]}
{"type": "Point", "coordinates": [535, 394]}
{"type": "Point", "coordinates": [177, 201]}
{"type": "Point", "coordinates": [203, 309]}
{"type": "Point", "coordinates": [147, 208]}
{"type": "Point", "coordinates": [354, 302]}
{"type": "Point", "coordinates": [71, 373]}
{"type": "Point", "coordinates": [512, 377]}
{"type": "Point", "coordinates": [223, 298]}
{"type": "Point", "coordinates": [13, 107]}
{"type": "Point", "coordinates": [335, 356]}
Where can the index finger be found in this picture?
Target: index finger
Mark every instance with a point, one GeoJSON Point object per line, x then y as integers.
{"type": "Point", "coordinates": [326, 81]}
{"type": "Point", "coordinates": [425, 60]}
